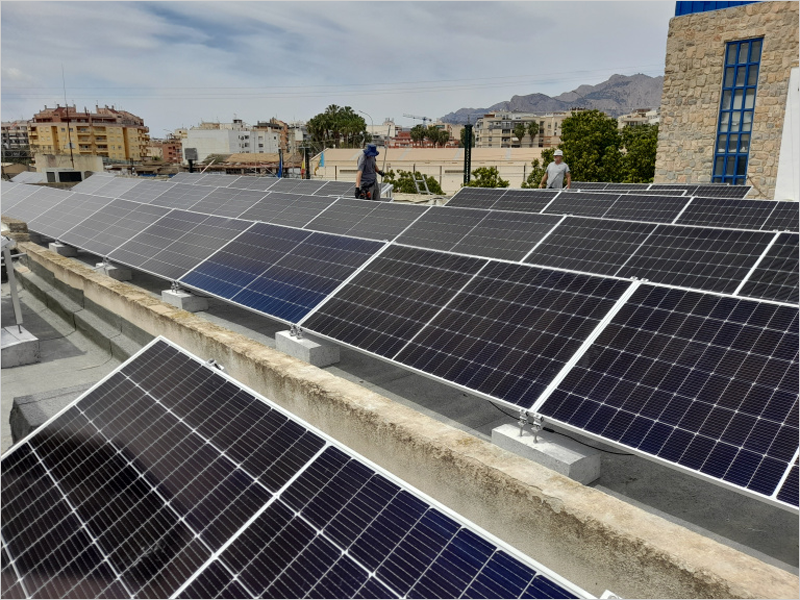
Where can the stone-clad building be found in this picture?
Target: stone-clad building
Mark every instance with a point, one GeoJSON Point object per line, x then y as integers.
{"type": "Point", "coordinates": [728, 109]}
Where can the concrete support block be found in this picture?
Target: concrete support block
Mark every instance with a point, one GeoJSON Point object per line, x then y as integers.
{"type": "Point", "coordinates": [62, 249]}
{"type": "Point", "coordinates": [184, 300]}
{"type": "Point", "coordinates": [115, 272]}
{"type": "Point", "coordinates": [30, 412]}
{"type": "Point", "coordinates": [553, 451]}
{"type": "Point", "coordinates": [19, 347]}
{"type": "Point", "coordinates": [319, 354]}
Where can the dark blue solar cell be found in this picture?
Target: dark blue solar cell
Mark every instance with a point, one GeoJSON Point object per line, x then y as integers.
{"type": "Point", "coordinates": [361, 511]}
{"type": "Point", "coordinates": [789, 490]}
{"type": "Point", "coordinates": [304, 571]}
{"type": "Point", "coordinates": [454, 569]}
{"type": "Point", "coordinates": [655, 438]}
{"type": "Point", "coordinates": [337, 492]}
{"type": "Point", "coordinates": [742, 468]}
{"type": "Point", "coordinates": [675, 445]}
{"type": "Point", "coordinates": [767, 475]}
{"type": "Point", "coordinates": [541, 587]}
{"type": "Point", "coordinates": [388, 528]}
{"type": "Point", "coordinates": [502, 577]}
{"type": "Point", "coordinates": [719, 460]}
{"type": "Point", "coordinates": [417, 550]}
{"type": "Point", "coordinates": [343, 580]}
{"type": "Point", "coordinates": [697, 452]}
{"type": "Point", "coordinates": [314, 478]}
{"type": "Point", "coordinates": [374, 589]}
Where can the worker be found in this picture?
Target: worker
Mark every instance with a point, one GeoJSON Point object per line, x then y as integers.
{"type": "Point", "coordinates": [366, 181]}
{"type": "Point", "coordinates": [555, 173]}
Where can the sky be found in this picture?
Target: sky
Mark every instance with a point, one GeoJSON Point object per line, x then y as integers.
{"type": "Point", "coordinates": [177, 64]}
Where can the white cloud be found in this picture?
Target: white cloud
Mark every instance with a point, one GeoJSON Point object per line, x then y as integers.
{"type": "Point", "coordinates": [176, 63]}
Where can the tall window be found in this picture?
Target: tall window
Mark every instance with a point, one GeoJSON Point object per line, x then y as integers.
{"type": "Point", "coordinates": [736, 111]}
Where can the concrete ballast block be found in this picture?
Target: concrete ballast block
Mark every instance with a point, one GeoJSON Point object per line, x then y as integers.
{"type": "Point", "coordinates": [550, 450]}
{"type": "Point", "coordinates": [184, 300]}
{"type": "Point", "coordinates": [308, 350]}
{"type": "Point", "coordinates": [19, 347]}
{"type": "Point", "coordinates": [115, 272]}
{"type": "Point", "coordinates": [62, 249]}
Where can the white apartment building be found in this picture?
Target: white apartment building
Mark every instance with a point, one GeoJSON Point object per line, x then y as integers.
{"type": "Point", "coordinates": [496, 130]}
{"type": "Point", "coordinates": [230, 138]}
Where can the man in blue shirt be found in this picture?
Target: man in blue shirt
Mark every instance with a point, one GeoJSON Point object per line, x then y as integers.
{"type": "Point", "coordinates": [366, 181]}
{"type": "Point", "coordinates": [555, 173]}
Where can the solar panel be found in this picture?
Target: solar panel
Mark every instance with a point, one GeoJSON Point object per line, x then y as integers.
{"type": "Point", "coordinates": [299, 212]}
{"type": "Point", "coordinates": [469, 197]}
{"type": "Point", "coordinates": [14, 193]}
{"type": "Point", "coordinates": [531, 201]}
{"type": "Point", "coordinates": [656, 209]}
{"type": "Point", "coordinates": [783, 218]}
{"type": "Point", "coordinates": [506, 235]}
{"type": "Point", "coordinates": [147, 191]}
{"type": "Point", "coordinates": [727, 212]}
{"type": "Point", "coordinates": [776, 276]}
{"type": "Point", "coordinates": [392, 298]}
{"type": "Point", "coordinates": [509, 332]}
{"type": "Point", "coordinates": [279, 271]}
{"type": "Point", "coordinates": [336, 188]}
{"type": "Point", "coordinates": [698, 257]}
{"type": "Point", "coordinates": [722, 191]}
{"type": "Point", "coordinates": [177, 242]}
{"type": "Point", "coordinates": [296, 186]}
{"type": "Point", "coordinates": [92, 183]}
{"type": "Point", "coordinates": [116, 187]}
{"type": "Point", "coordinates": [170, 479]}
{"type": "Point", "coordinates": [29, 177]}
{"type": "Point", "coordinates": [112, 226]}
{"type": "Point", "coordinates": [182, 195]}
{"type": "Point", "coordinates": [626, 187]}
{"type": "Point", "coordinates": [386, 221]}
{"type": "Point", "coordinates": [186, 177]}
{"type": "Point", "coordinates": [228, 202]}
{"type": "Point", "coordinates": [40, 201]}
{"type": "Point", "coordinates": [67, 214]}
{"type": "Point", "coordinates": [703, 382]}
{"type": "Point", "coordinates": [215, 180]}
{"type": "Point", "coordinates": [789, 490]}
{"type": "Point", "coordinates": [340, 216]}
{"type": "Point", "coordinates": [441, 228]}
{"type": "Point", "coordinates": [249, 182]}
{"type": "Point", "coordinates": [598, 246]}
{"type": "Point", "coordinates": [588, 185]}
{"type": "Point", "coordinates": [584, 204]}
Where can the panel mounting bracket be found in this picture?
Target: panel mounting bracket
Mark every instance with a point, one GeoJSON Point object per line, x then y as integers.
{"type": "Point", "coordinates": [212, 362]}
{"type": "Point", "coordinates": [523, 420]}
{"type": "Point", "coordinates": [536, 426]}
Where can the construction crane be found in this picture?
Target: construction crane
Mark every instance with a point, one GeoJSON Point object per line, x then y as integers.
{"type": "Point", "coordinates": [423, 119]}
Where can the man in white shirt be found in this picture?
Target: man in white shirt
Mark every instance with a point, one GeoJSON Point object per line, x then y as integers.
{"type": "Point", "coordinates": [555, 173]}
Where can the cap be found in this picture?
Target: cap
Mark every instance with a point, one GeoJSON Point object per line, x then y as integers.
{"type": "Point", "coordinates": [558, 153]}
{"type": "Point", "coordinates": [371, 150]}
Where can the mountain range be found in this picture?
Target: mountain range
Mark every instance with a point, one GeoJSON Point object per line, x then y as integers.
{"type": "Point", "coordinates": [618, 95]}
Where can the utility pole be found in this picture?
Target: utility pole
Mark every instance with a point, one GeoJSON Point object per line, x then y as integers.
{"type": "Point", "coordinates": [69, 134]}
{"type": "Point", "coordinates": [467, 152]}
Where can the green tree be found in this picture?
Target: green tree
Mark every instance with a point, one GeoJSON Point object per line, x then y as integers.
{"type": "Point", "coordinates": [537, 169]}
{"type": "Point", "coordinates": [519, 131]}
{"type": "Point", "coordinates": [438, 137]}
{"type": "Point", "coordinates": [338, 127]}
{"type": "Point", "coordinates": [533, 130]}
{"type": "Point", "coordinates": [418, 133]}
{"type": "Point", "coordinates": [404, 182]}
{"type": "Point", "coordinates": [487, 177]}
{"type": "Point", "coordinates": [639, 160]}
{"type": "Point", "coordinates": [591, 143]}
{"type": "Point", "coordinates": [463, 142]}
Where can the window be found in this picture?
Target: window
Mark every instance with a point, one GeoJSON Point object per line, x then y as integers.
{"type": "Point", "coordinates": [735, 124]}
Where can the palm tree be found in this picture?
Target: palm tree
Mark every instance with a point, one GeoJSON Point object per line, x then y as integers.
{"type": "Point", "coordinates": [533, 130]}
{"type": "Point", "coordinates": [519, 131]}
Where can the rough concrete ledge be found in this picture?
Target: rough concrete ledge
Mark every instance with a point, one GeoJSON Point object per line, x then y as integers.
{"type": "Point", "coordinates": [593, 539]}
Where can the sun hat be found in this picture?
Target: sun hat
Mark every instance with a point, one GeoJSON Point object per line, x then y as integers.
{"type": "Point", "coordinates": [371, 150]}
{"type": "Point", "coordinates": [558, 153]}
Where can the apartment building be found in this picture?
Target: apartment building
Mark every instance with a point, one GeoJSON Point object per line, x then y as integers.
{"type": "Point", "coordinates": [496, 130]}
{"type": "Point", "coordinates": [641, 116]}
{"type": "Point", "coordinates": [14, 138]}
{"type": "Point", "coordinates": [234, 138]}
{"type": "Point", "coordinates": [113, 135]}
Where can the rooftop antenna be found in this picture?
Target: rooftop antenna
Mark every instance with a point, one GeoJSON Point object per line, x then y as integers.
{"type": "Point", "coordinates": [69, 134]}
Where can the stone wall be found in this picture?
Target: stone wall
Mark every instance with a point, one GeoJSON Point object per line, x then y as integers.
{"type": "Point", "coordinates": [693, 73]}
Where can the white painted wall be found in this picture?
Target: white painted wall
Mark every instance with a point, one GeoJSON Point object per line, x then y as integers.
{"type": "Point", "coordinates": [787, 185]}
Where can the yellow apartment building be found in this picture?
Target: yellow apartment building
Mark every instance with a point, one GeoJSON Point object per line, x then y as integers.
{"type": "Point", "coordinates": [114, 135]}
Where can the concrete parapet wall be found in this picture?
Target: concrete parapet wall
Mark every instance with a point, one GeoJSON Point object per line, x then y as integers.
{"type": "Point", "coordinates": [593, 539]}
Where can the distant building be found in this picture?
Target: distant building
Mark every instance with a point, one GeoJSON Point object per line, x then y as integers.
{"type": "Point", "coordinates": [15, 141]}
{"type": "Point", "coordinates": [641, 116]}
{"type": "Point", "coordinates": [730, 107]}
{"type": "Point", "coordinates": [113, 135]}
{"type": "Point", "coordinates": [233, 138]}
{"type": "Point", "coordinates": [168, 150]}
{"type": "Point", "coordinates": [496, 130]}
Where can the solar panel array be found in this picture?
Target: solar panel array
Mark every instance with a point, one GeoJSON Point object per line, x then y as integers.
{"type": "Point", "coordinates": [507, 305]}
{"type": "Point", "coordinates": [168, 479]}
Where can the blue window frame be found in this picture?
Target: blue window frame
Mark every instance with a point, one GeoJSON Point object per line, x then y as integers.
{"type": "Point", "coordinates": [735, 124]}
